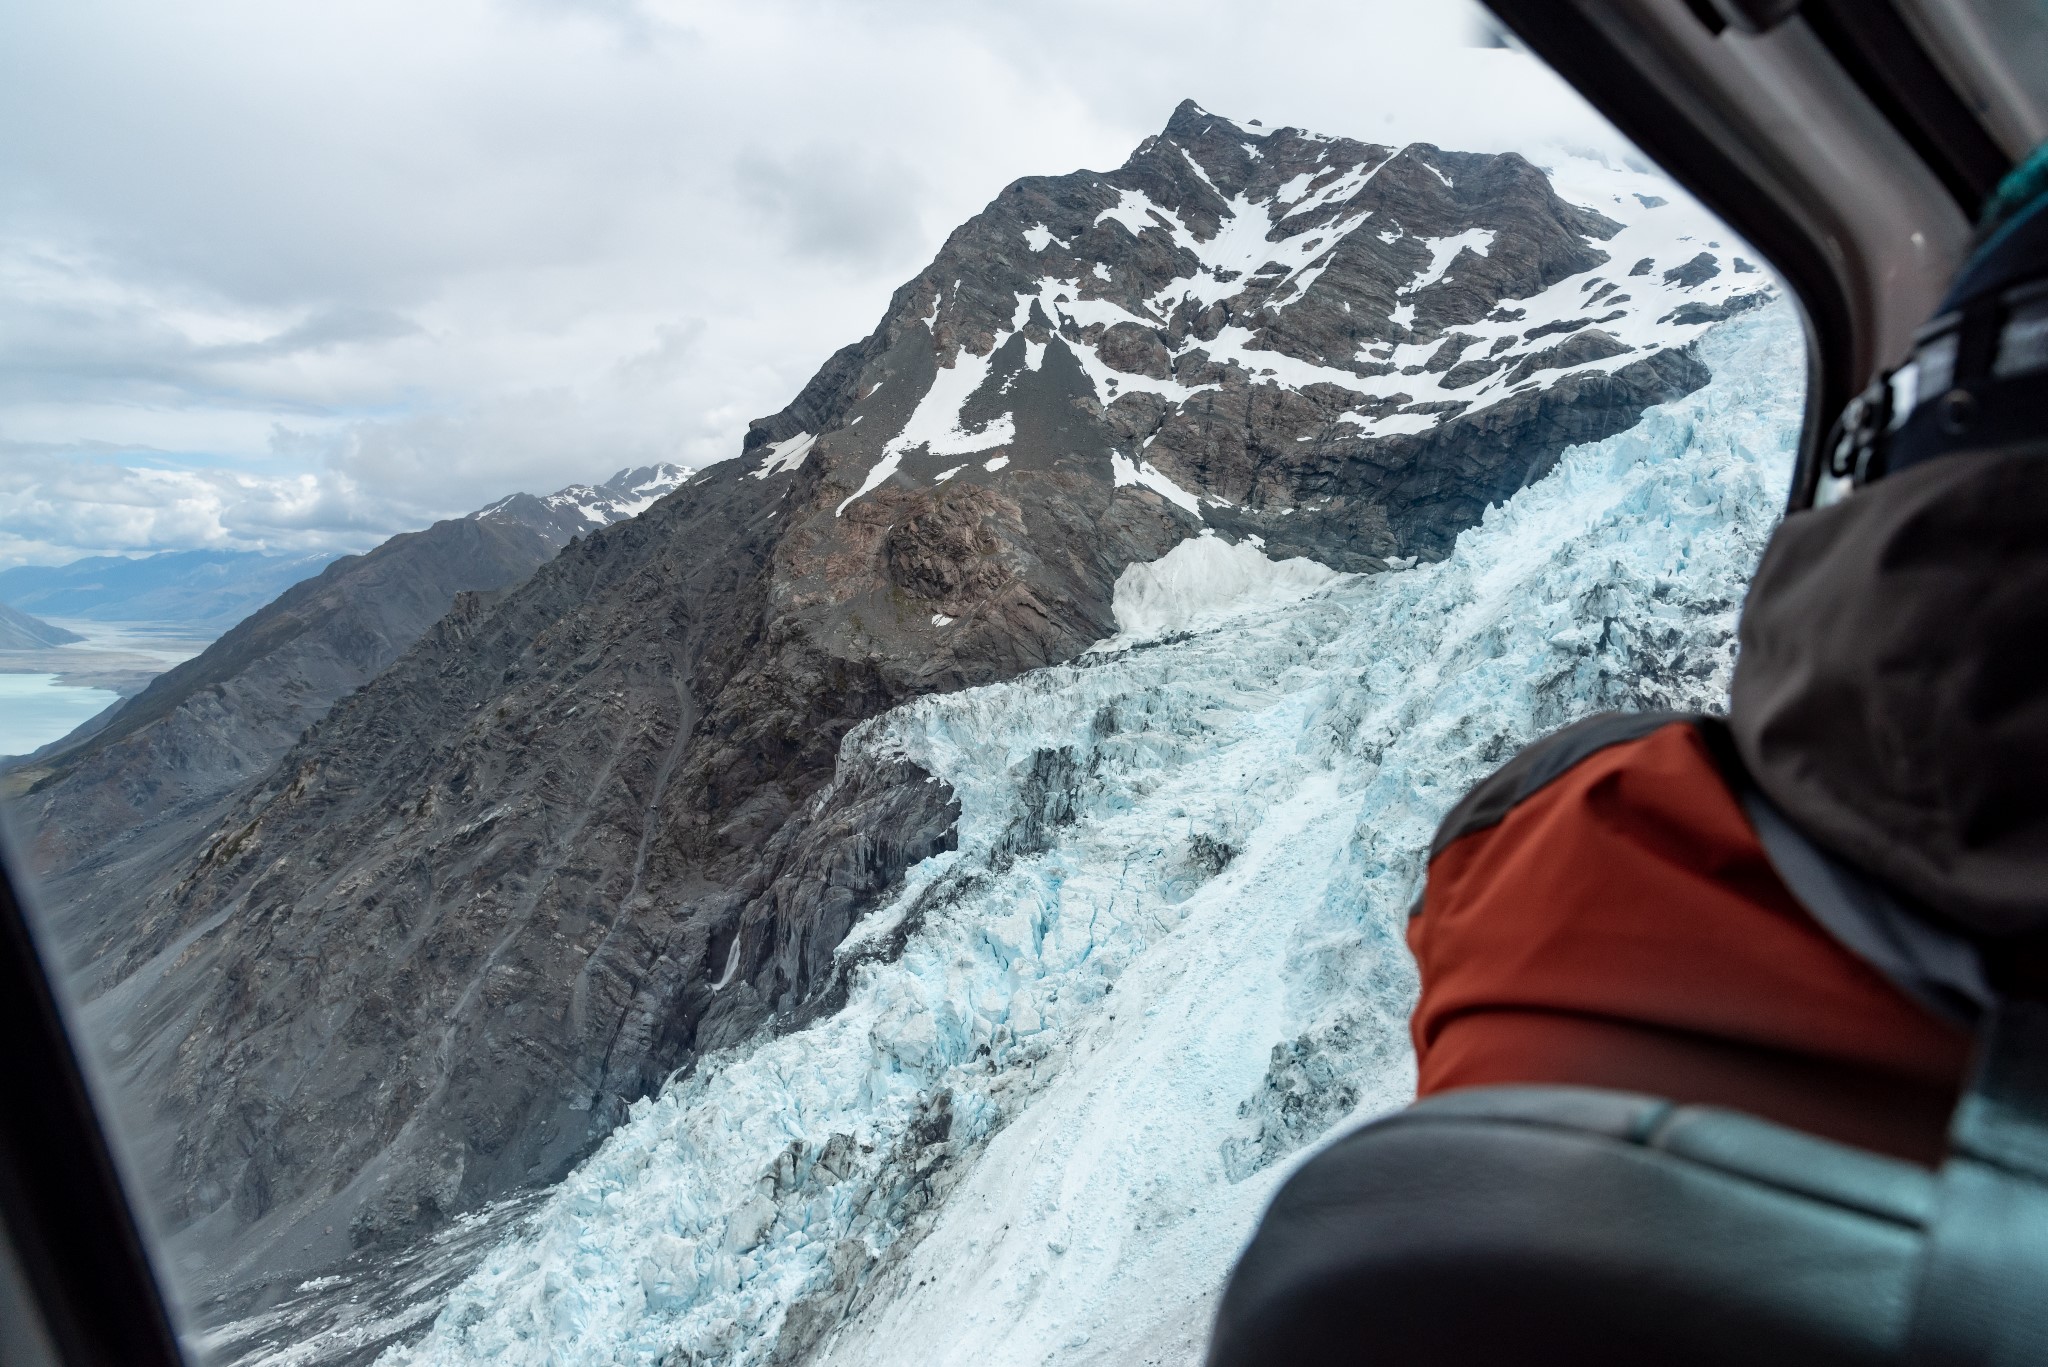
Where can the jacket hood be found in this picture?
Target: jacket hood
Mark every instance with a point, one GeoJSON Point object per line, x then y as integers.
{"type": "Point", "coordinates": [1891, 695]}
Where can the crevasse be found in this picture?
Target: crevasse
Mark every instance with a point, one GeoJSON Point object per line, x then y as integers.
{"type": "Point", "coordinates": [1165, 958]}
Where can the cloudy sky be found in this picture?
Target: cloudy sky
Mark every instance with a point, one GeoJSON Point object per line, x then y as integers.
{"type": "Point", "coordinates": [287, 274]}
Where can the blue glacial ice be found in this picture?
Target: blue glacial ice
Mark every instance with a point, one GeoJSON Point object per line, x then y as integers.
{"type": "Point", "coordinates": [1166, 958]}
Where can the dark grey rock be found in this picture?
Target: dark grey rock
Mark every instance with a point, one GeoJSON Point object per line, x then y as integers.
{"type": "Point", "coordinates": [117, 802]}
{"type": "Point", "coordinates": [1699, 270]}
{"type": "Point", "coordinates": [1715, 313]}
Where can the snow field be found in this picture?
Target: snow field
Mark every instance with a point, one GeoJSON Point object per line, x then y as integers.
{"type": "Point", "coordinates": [1165, 958]}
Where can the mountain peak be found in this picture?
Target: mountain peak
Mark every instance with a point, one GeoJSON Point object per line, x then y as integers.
{"type": "Point", "coordinates": [1187, 118]}
{"type": "Point", "coordinates": [575, 509]}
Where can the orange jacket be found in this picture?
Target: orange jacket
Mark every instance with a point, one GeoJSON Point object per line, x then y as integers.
{"type": "Point", "coordinates": [1617, 924]}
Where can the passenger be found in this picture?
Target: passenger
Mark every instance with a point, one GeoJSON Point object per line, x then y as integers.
{"type": "Point", "coordinates": [1815, 912]}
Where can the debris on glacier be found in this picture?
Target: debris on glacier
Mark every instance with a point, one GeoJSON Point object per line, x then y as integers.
{"type": "Point", "coordinates": [1166, 957]}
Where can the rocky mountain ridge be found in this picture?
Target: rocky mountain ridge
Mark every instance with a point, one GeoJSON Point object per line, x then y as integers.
{"type": "Point", "coordinates": [107, 807]}
{"type": "Point", "coordinates": [586, 830]}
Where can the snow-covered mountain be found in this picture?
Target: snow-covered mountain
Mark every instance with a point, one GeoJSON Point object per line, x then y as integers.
{"type": "Point", "coordinates": [609, 826]}
{"type": "Point", "coordinates": [1072, 1057]}
{"type": "Point", "coordinates": [1344, 347]}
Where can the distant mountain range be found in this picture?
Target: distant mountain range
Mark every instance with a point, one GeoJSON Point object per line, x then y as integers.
{"type": "Point", "coordinates": [204, 592]}
{"type": "Point", "coordinates": [19, 631]}
{"type": "Point", "coordinates": [586, 829]}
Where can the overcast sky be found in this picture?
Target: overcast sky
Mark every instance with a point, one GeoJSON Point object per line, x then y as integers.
{"type": "Point", "coordinates": [293, 274]}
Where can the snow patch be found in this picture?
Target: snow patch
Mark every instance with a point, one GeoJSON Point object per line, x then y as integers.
{"type": "Point", "coordinates": [1295, 188]}
{"type": "Point", "coordinates": [1444, 250]}
{"type": "Point", "coordinates": [784, 456]}
{"type": "Point", "coordinates": [1133, 209]}
{"type": "Point", "coordinates": [1196, 167]}
{"type": "Point", "coordinates": [1391, 424]}
{"type": "Point", "coordinates": [936, 424]}
{"type": "Point", "coordinates": [1123, 470]}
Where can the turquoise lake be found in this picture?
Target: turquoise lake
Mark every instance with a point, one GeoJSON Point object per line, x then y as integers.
{"type": "Point", "coordinates": [35, 710]}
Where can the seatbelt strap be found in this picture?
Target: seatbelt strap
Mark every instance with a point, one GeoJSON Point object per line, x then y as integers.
{"type": "Point", "coordinates": [1983, 1296]}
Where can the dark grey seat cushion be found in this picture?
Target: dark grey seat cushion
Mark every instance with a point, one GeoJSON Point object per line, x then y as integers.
{"type": "Point", "coordinates": [1573, 1225]}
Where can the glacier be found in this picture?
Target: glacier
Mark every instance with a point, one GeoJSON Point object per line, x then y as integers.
{"type": "Point", "coordinates": [1077, 1053]}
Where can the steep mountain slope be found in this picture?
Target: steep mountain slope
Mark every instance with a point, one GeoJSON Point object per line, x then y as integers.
{"type": "Point", "coordinates": [203, 591]}
{"type": "Point", "coordinates": [108, 806]}
{"type": "Point", "coordinates": [19, 631]}
{"type": "Point", "coordinates": [582, 834]}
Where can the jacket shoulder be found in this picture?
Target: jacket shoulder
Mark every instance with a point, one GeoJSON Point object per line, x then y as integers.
{"type": "Point", "coordinates": [1545, 761]}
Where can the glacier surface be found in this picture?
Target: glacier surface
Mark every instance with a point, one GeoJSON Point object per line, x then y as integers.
{"type": "Point", "coordinates": [1077, 1054]}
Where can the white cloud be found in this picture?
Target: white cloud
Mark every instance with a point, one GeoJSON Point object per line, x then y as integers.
{"type": "Point", "coordinates": [328, 271]}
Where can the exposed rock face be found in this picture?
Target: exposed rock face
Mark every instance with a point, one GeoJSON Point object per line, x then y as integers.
{"type": "Point", "coordinates": [587, 829]}
{"type": "Point", "coordinates": [112, 805]}
{"type": "Point", "coordinates": [19, 631]}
